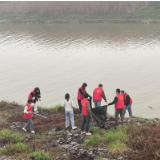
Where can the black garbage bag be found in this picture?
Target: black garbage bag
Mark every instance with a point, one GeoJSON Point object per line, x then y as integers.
{"type": "Point", "coordinates": [99, 114]}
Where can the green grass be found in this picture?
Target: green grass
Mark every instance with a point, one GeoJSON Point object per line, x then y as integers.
{"type": "Point", "coordinates": [53, 108]}
{"type": "Point", "coordinates": [16, 148]}
{"type": "Point", "coordinates": [141, 120]}
{"type": "Point", "coordinates": [103, 137]}
{"type": "Point", "coordinates": [117, 145]}
{"type": "Point", "coordinates": [8, 135]}
{"type": "Point", "coordinates": [54, 133]}
{"type": "Point", "coordinates": [40, 156]}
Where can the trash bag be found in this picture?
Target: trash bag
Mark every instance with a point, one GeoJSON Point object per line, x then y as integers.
{"type": "Point", "coordinates": [99, 114]}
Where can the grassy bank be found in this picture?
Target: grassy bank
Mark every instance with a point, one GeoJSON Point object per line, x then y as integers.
{"type": "Point", "coordinates": [79, 10]}
{"type": "Point", "coordinates": [138, 139]}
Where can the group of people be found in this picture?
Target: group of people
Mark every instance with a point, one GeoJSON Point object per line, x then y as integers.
{"type": "Point", "coordinates": [122, 103]}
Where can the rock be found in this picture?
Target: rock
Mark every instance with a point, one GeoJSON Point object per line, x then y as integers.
{"type": "Point", "coordinates": [120, 158]}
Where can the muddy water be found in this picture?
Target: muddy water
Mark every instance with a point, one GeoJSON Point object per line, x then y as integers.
{"type": "Point", "coordinates": [60, 57]}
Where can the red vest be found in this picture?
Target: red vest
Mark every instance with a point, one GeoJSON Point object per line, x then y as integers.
{"type": "Point", "coordinates": [120, 102]}
{"type": "Point", "coordinates": [97, 95]}
{"type": "Point", "coordinates": [29, 115]}
{"type": "Point", "coordinates": [30, 96]}
{"type": "Point", "coordinates": [80, 96]}
{"type": "Point", "coordinates": [129, 97]}
{"type": "Point", "coordinates": [84, 103]}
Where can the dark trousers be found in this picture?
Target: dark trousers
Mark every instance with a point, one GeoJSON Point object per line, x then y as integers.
{"type": "Point", "coordinates": [117, 112]}
{"type": "Point", "coordinates": [85, 122]}
{"type": "Point", "coordinates": [79, 104]}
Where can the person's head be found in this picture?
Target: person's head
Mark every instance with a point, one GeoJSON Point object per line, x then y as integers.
{"type": "Point", "coordinates": [117, 91]}
{"type": "Point", "coordinates": [67, 96]}
{"type": "Point", "coordinates": [85, 95]}
{"type": "Point", "coordinates": [29, 101]}
{"type": "Point", "coordinates": [100, 85]}
{"type": "Point", "coordinates": [84, 85]}
{"type": "Point", "coordinates": [36, 90]}
{"type": "Point", "coordinates": [122, 92]}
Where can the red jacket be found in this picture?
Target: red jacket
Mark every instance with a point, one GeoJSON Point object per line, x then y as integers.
{"type": "Point", "coordinates": [97, 95]}
{"type": "Point", "coordinates": [125, 95]}
{"type": "Point", "coordinates": [29, 115]}
{"type": "Point", "coordinates": [30, 96]}
{"type": "Point", "coordinates": [80, 96]}
{"type": "Point", "coordinates": [120, 102]}
{"type": "Point", "coordinates": [84, 103]}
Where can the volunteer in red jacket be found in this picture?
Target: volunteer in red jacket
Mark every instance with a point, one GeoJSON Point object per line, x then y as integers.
{"type": "Point", "coordinates": [128, 103]}
{"type": "Point", "coordinates": [28, 115]}
{"type": "Point", "coordinates": [35, 95]}
{"type": "Point", "coordinates": [80, 95]}
{"type": "Point", "coordinates": [98, 94]}
{"type": "Point", "coordinates": [119, 105]}
{"type": "Point", "coordinates": [86, 113]}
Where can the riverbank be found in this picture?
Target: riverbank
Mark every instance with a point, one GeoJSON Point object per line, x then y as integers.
{"type": "Point", "coordinates": [143, 21]}
{"type": "Point", "coordinates": [137, 139]}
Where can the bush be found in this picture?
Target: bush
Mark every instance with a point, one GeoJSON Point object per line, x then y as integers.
{"type": "Point", "coordinates": [40, 156]}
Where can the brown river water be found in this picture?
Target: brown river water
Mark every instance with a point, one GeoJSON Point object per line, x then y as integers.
{"type": "Point", "coordinates": [58, 58]}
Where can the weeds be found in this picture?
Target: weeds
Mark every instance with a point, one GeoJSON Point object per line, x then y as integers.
{"type": "Point", "coordinates": [7, 135]}
{"type": "Point", "coordinates": [16, 148]}
{"type": "Point", "coordinates": [40, 156]}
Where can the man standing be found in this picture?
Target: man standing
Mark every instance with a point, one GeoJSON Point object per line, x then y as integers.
{"type": "Point", "coordinates": [119, 105]}
{"type": "Point", "coordinates": [98, 94]}
{"type": "Point", "coordinates": [35, 95]}
{"type": "Point", "coordinates": [127, 102]}
{"type": "Point", "coordinates": [86, 112]}
{"type": "Point", "coordinates": [80, 95]}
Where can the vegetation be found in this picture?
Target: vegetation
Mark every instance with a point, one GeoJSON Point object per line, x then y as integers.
{"type": "Point", "coordinates": [9, 136]}
{"type": "Point", "coordinates": [53, 108]}
{"type": "Point", "coordinates": [79, 10]}
{"type": "Point", "coordinates": [16, 148]}
{"type": "Point", "coordinates": [40, 156]}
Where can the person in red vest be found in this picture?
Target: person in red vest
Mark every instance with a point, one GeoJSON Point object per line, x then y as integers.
{"type": "Point", "coordinates": [86, 113]}
{"type": "Point", "coordinates": [35, 95]}
{"type": "Point", "coordinates": [119, 105]}
{"type": "Point", "coordinates": [28, 115]}
{"type": "Point", "coordinates": [80, 95]}
{"type": "Point", "coordinates": [128, 103]}
{"type": "Point", "coordinates": [98, 94]}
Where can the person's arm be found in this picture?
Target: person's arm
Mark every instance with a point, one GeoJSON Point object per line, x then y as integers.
{"type": "Point", "coordinates": [63, 104]}
{"type": "Point", "coordinates": [114, 101]}
{"type": "Point", "coordinates": [88, 95]}
{"type": "Point", "coordinates": [25, 109]}
{"type": "Point", "coordinates": [104, 96]}
{"type": "Point", "coordinates": [127, 100]}
{"type": "Point", "coordinates": [89, 108]}
{"type": "Point", "coordinates": [80, 90]}
{"type": "Point", "coordinates": [72, 104]}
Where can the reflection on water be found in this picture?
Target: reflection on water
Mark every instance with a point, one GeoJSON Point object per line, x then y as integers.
{"type": "Point", "coordinates": [58, 58]}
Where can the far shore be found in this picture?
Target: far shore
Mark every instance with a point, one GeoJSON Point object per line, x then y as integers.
{"type": "Point", "coordinates": [143, 21]}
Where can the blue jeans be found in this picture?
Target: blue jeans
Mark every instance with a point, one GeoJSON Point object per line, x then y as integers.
{"type": "Point", "coordinates": [69, 115]}
{"type": "Point", "coordinates": [97, 104]}
{"type": "Point", "coordinates": [128, 107]}
{"type": "Point", "coordinates": [30, 123]}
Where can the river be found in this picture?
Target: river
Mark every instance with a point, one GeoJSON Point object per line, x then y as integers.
{"type": "Point", "coordinates": [58, 58]}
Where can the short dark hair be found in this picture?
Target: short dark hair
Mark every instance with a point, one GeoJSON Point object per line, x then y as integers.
{"type": "Point", "coordinates": [84, 85]}
{"type": "Point", "coordinates": [100, 85]}
{"type": "Point", "coordinates": [118, 90]}
{"type": "Point", "coordinates": [85, 95]}
{"type": "Point", "coordinates": [122, 91]}
{"type": "Point", "coordinates": [67, 96]}
{"type": "Point", "coordinates": [30, 101]}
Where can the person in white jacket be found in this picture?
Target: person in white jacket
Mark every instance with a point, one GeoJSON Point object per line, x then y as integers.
{"type": "Point", "coordinates": [68, 104]}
